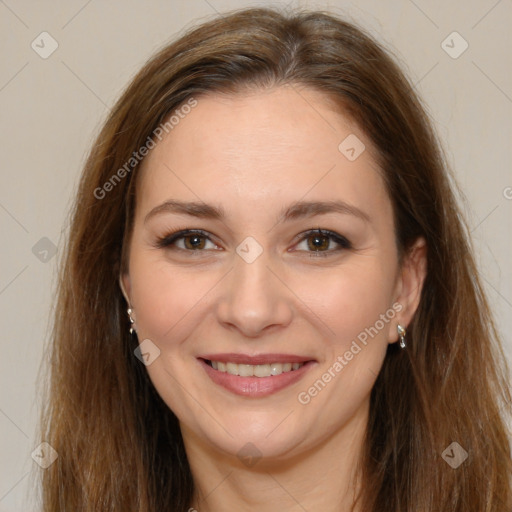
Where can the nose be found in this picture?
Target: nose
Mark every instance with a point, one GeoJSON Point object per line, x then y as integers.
{"type": "Point", "coordinates": [254, 298]}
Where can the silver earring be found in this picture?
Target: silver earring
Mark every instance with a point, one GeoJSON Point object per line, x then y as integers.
{"type": "Point", "coordinates": [132, 321]}
{"type": "Point", "coordinates": [401, 332]}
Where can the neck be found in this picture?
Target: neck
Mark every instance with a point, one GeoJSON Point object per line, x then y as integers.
{"type": "Point", "coordinates": [321, 478]}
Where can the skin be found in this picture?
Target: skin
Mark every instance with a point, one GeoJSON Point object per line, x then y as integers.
{"type": "Point", "coordinates": [253, 153]}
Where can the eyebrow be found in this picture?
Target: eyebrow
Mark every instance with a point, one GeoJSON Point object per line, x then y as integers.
{"type": "Point", "coordinates": [294, 211]}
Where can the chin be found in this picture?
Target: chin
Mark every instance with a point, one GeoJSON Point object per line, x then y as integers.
{"type": "Point", "coordinates": [257, 446]}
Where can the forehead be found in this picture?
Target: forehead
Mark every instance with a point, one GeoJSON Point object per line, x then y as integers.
{"type": "Point", "coordinates": [276, 146]}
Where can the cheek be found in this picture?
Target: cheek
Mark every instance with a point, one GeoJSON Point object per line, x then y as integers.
{"type": "Point", "coordinates": [164, 308]}
{"type": "Point", "coordinates": [172, 306]}
{"type": "Point", "coordinates": [350, 299]}
{"type": "Point", "coordinates": [167, 299]}
{"type": "Point", "coordinates": [356, 305]}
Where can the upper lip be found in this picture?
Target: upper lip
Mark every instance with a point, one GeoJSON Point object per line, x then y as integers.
{"type": "Point", "coordinates": [256, 359]}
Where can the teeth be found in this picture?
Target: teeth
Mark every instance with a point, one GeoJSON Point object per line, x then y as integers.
{"type": "Point", "coordinates": [244, 370]}
{"type": "Point", "coordinates": [232, 368]}
{"type": "Point", "coordinates": [263, 370]}
{"type": "Point", "coordinates": [276, 369]}
{"type": "Point", "coordinates": [256, 370]}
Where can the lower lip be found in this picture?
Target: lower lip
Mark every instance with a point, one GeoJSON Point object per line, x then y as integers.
{"type": "Point", "coordinates": [256, 387]}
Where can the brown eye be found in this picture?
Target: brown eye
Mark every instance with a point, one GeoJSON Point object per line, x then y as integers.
{"type": "Point", "coordinates": [193, 240]}
{"type": "Point", "coordinates": [320, 240]}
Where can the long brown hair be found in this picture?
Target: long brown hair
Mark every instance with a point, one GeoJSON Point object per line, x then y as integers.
{"type": "Point", "coordinates": [120, 447]}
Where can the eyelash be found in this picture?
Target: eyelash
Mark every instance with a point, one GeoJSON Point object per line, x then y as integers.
{"type": "Point", "coordinates": [169, 240]}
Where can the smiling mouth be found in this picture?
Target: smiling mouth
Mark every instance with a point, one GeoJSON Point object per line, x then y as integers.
{"type": "Point", "coordinates": [253, 370]}
{"type": "Point", "coordinates": [268, 374]}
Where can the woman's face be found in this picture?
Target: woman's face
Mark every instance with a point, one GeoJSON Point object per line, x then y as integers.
{"type": "Point", "coordinates": [259, 287]}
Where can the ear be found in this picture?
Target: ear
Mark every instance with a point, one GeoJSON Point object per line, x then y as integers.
{"type": "Point", "coordinates": [409, 285]}
{"type": "Point", "coordinates": [125, 285]}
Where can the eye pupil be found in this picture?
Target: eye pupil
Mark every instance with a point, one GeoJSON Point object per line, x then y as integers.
{"type": "Point", "coordinates": [195, 241]}
{"type": "Point", "coordinates": [320, 242]}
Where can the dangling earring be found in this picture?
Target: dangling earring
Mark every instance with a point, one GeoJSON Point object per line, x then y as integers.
{"type": "Point", "coordinates": [132, 321]}
{"type": "Point", "coordinates": [401, 332]}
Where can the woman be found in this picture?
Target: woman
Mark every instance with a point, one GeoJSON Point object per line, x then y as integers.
{"type": "Point", "coordinates": [268, 300]}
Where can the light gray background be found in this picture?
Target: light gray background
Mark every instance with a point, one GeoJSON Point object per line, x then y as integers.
{"type": "Point", "coordinates": [52, 108]}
